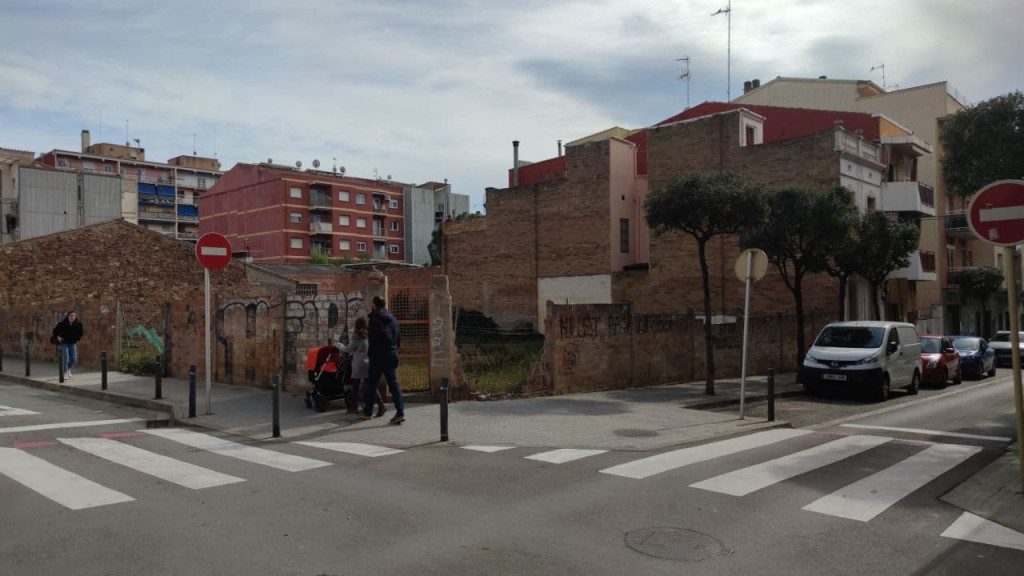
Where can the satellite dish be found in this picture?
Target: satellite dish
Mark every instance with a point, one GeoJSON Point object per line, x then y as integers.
{"type": "Point", "coordinates": [298, 163]}
{"type": "Point", "coordinates": [316, 163]}
{"type": "Point", "coordinates": [341, 169]}
{"type": "Point", "coordinates": [270, 160]}
{"type": "Point", "coordinates": [389, 177]}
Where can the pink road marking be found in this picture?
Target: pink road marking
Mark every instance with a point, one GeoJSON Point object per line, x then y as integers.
{"type": "Point", "coordinates": [34, 444]}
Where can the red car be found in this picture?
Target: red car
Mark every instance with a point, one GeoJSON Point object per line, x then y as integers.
{"type": "Point", "coordinates": [940, 361]}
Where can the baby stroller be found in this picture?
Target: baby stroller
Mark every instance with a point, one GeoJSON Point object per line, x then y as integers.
{"type": "Point", "coordinates": [330, 372]}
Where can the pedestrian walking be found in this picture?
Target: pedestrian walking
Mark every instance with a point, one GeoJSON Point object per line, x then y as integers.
{"type": "Point", "coordinates": [358, 347]}
{"type": "Point", "coordinates": [385, 340]}
{"type": "Point", "coordinates": [66, 334]}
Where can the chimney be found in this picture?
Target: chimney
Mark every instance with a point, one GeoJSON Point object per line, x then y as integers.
{"type": "Point", "coordinates": [747, 86]}
{"type": "Point", "coordinates": [515, 163]}
{"type": "Point", "coordinates": [755, 83]}
{"type": "Point", "coordinates": [559, 148]}
{"type": "Point", "coordinates": [85, 141]}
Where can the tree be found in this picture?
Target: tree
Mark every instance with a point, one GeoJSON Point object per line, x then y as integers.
{"type": "Point", "coordinates": [798, 231]}
{"type": "Point", "coordinates": [983, 144]}
{"type": "Point", "coordinates": [886, 247]}
{"type": "Point", "coordinates": [979, 283]}
{"type": "Point", "coordinates": [844, 258]}
{"type": "Point", "coordinates": [434, 248]}
{"type": "Point", "coordinates": [705, 205]}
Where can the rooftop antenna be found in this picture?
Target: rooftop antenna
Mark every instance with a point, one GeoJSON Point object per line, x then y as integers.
{"type": "Point", "coordinates": [194, 144]}
{"type": "Point", "coordinates": [127, 140]}
{"type": "Point", "coordinates": [214, 142]}
{"type": "Point", "coordinates": [686, 76]}
{"type": "Point", "coordinates": [882, 68]}
{"type": "Point", "coordinates": [335, 165]}
{"type": "Point", "coordinates": [728, 53]}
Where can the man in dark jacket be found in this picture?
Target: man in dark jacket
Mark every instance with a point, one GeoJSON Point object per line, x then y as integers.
{"type": "Point", "coordinates": [385, 339]}
{"type": "Point", "coordinates": [66, 334]}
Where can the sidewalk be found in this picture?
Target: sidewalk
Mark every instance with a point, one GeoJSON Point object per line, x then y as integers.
{"type": "Point", "coordinates": [638, 419]}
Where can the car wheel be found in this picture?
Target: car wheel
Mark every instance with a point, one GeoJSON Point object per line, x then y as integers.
{"type": "Point", "coordinates": [959, 375]}
{"type": "Point", "coordinates": [943, 380]}
{"type": "Point", "coordinates": [915, 385]}
{"type": "Point", "coordinates": [882, 394]}
{"type": "Point", "coordinates": [992, 372]}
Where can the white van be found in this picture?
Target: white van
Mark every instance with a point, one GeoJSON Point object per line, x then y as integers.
{"type": "Point", "coordinates": [866, 355]}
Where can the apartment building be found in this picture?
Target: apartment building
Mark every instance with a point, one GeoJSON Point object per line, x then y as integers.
{"type": "Point", "coordinates": [159, 196]}
{"type": "Point", "coordinates": [426, 207]}
{"type": "Point", "coordinates": [275, 213]}
{"type": "Point", "coordinates": [920, 109]}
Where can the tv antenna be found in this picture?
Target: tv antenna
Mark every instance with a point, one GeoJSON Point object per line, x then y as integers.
{"type": "Point", "coordinates": [686, 76]}
{"type": "Point", "coordinates": [728, 51]}
{"type": "Point", "coordinates": [884, 85]}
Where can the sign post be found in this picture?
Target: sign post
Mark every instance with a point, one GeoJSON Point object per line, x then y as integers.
{"type": "Point", "coordinates": [214, 252]}
{"type": "Point", "coordinates": [996, 215]}
{"type": "Point", "coordinates": [751, 266]}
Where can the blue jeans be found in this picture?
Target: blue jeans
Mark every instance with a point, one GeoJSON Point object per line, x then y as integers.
{"type": "Point", "coordinates": [68, 355]}
{"type": "Point", "coordinates": [388, 367]}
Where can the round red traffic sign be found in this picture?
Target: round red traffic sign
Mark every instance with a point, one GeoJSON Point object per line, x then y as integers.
{"type": "Point", "coordinates": [213, 251]}
{"type": "Point", "coordinates": [996, 213]}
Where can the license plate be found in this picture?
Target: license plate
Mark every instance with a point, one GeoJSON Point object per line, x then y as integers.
{"type": "Point", "coordinates": [836, 377]}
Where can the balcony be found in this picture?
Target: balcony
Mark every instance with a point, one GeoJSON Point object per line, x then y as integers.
{"type": "Point", "coordinates": [155, 215]}
{"type": "Point", "coordinates": [908, 197]}
{"type": "Point", "coordinates": [319, 202]}
{"type": "Point", "coordinates": [380, 208]}
{"type": "Point", "coordinates": [956, 225]}
{"type": "Point", "coordinates": [318, 227]}
{"type": "Point", "coordinates": [921, 268]}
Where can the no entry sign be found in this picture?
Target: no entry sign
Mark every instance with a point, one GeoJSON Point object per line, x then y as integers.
{"type": "Point", "coordinates": [213, 251]}
{"type": "Point", "coordinates": [996, 213]}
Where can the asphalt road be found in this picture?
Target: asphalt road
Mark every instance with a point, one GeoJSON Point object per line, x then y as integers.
{"type": "Point", "coordinates": [298, 509]}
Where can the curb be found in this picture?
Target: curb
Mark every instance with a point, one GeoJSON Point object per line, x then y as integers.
{"type": "Point", "coordinates": [174, 414]}
{"type": "Point", "coordinates": [735, 401]}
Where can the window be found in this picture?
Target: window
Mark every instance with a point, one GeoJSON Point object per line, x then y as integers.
{"type": "Point", "coordinates": [361, 246]}
{"type": "Point", "coordinates": [108, 169]}
{"type": "Point", "coordinates": [296, 217]}
{"type": "Point", "coordinates": [202, 184]}
{"type": "Point", "coordinates": [394, 225]}
{"type": "Point", "coordinates": [305, 289]}
{"type": "Point", "coordinates": [295, 192]}
{"type": "Point", "coordinates": [360, 198]}
{"type": "Point", "coordinates": [394, 248]}
{"type": "Point", "coordinates": [624, 235]}
{"type": "Point", "coordinates": [62, 162]}
{"type": "Point", "coordinates": [360, 222]}
{"type": "Point", "coordinates": [297, 243]}
{"type": "Point", "coordinates": [343, 220]}
{"type": "Point", "coordinates": [343, 196]}
{"type": "Point", "coordinates": [344, 245]}
{"type": "Point", "coordinates": [142, 174]}
{"type": "Point", "coordinates": [750, 132]}
{"type": "Point", "coordinates": [392, 203]}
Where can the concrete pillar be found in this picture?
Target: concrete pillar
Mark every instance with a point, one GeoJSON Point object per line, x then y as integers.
{"type": "Point", "coordinates": [442, 338]}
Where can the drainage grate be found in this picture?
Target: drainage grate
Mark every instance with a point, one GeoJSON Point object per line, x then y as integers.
{"type": "Point", "coordinates": [675, 544]}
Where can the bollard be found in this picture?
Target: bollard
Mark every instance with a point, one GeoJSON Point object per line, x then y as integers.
{"type": "Point", "coordinates": [28, 360]}
{"type": "Point", "coordinates": [60, 364]}
{"type": "Point", "coordinates": [103, 370]}
{"type": "Point", "coordinates": [277, 406]}
{"type": "Point", "coordinates": [771, 395]}
{"type": "Point", "coordinates": [192, 391]}
{"type": "Point", "coordinates": [159, 378]}
{"type": "Point", "coordinates": [1, 358]}
{"type": "Point", "coordinates": [444, 409]}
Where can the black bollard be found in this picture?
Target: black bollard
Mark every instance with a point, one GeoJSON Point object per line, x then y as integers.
{"type": "Point", "coordinates": [1, 358]}
{"type": "Point", "coordinates": [771, 395]}
{"type": "Point", "coordinates": [28, 360]}
{"type": "Point", "coordinates": [192, 391]}
{"type": "Point", "coordinates": [444, 410]}
{"type": "Point", "coordinates": [103, 370]}
{"type": "Point", "coordinates": [60, 364]}
{"type": "Point", "coordinates": [159, 377]}
{"type": "Point", "coordinates": [276, 406]}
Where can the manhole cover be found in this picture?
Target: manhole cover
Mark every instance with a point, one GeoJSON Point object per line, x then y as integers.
{"type": "Point", "coordinates": [675, 544]}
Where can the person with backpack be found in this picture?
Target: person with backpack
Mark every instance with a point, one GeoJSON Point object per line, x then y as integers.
{"type": "Point", "coordinates": [66, 334]}
{"type": "Point", "coordinates": [384, 342]}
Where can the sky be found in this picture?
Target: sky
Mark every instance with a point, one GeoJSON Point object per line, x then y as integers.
{"type": "Point", "coordinates": [428, 91]}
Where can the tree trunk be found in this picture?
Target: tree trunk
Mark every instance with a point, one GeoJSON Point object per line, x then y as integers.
{"type": "Point", "coordinates": [798, 298]}
{"type": "Point", "coordinates": [842, 298]}
{"type": "Point", "coordinates": [709, 356]}
{"type": "Point", "coordinates": [874, 301]}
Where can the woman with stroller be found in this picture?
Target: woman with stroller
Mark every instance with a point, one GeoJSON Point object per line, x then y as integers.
{"type": "Point", "coordinates": [358, 347]}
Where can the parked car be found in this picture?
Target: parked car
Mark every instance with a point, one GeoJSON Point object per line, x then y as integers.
{"type": "Point", "coordinates": [940, 361]}
{"type": "Point", "coordinates": [976, 357]}
{"type": "Point", "coordinates": [1000, 344]}
{"type": "Point", "coordinates": [866, 356]}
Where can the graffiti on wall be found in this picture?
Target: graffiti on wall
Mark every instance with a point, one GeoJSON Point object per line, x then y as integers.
{"type": "Point", "coordinates": [151, 335]}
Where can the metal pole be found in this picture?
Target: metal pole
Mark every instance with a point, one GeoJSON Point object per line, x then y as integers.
{"type": "Point", "coordinates": [277, 406]}
{"type": "Point", "coordinates": [28, 360]}
{"type": "Point", "coordinates": [192, 391]}
{"type": "Point", "coordinates": [746, 318]}
{"type": "Point", "coordinates": [60, 363]}
{"type": "Point", "coordinates": [159, 377]}
{"type": "Point", "coordinates": [1018, 396]}
{"type": "Point", "coordinates": [103, 370]}
{"type": "Point", "coordinates": [444, 410]}
{"type": "Point", "coordinates": [206, 272]}
{"type": "Point", "coordinates": [1, 358]}
{"type": "Point", "coordinates": [771, 395]}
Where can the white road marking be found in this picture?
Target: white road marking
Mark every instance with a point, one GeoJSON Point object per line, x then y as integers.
{"type": "Point", "coordinates": [867, 498]}
{"type": "Point", "coordinates": [59, 425]}
{"type": "Point", "coordinates": [368, 450]}
{"type": "Point", "coordinates": [650, 466]}
{"type": "Point", "coordinates": [216, 445]}
{"type": "Point", "coordinates": [928, 432]}
{"type": "Point", "coordinates": [11, 411]}
{"type": "Point", "coordinates": [977, 529]}
{"type": "Point", "coordinates": [564, 455]}
{"type": "Point", "coordinates": [488, 449]}
{"type": "Point", "coordinates": [63, 487]}
{"type": "Point", "coordinates": [163, 467]}
{"type": "Point", "coordinates": [754, 478]}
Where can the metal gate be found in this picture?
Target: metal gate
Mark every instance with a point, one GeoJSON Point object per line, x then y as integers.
{"type": "Point", "coordinates": [411, 307]}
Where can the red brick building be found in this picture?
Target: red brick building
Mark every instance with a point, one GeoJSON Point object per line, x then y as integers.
{"type": "Point", "coordinates": [279, 214]}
